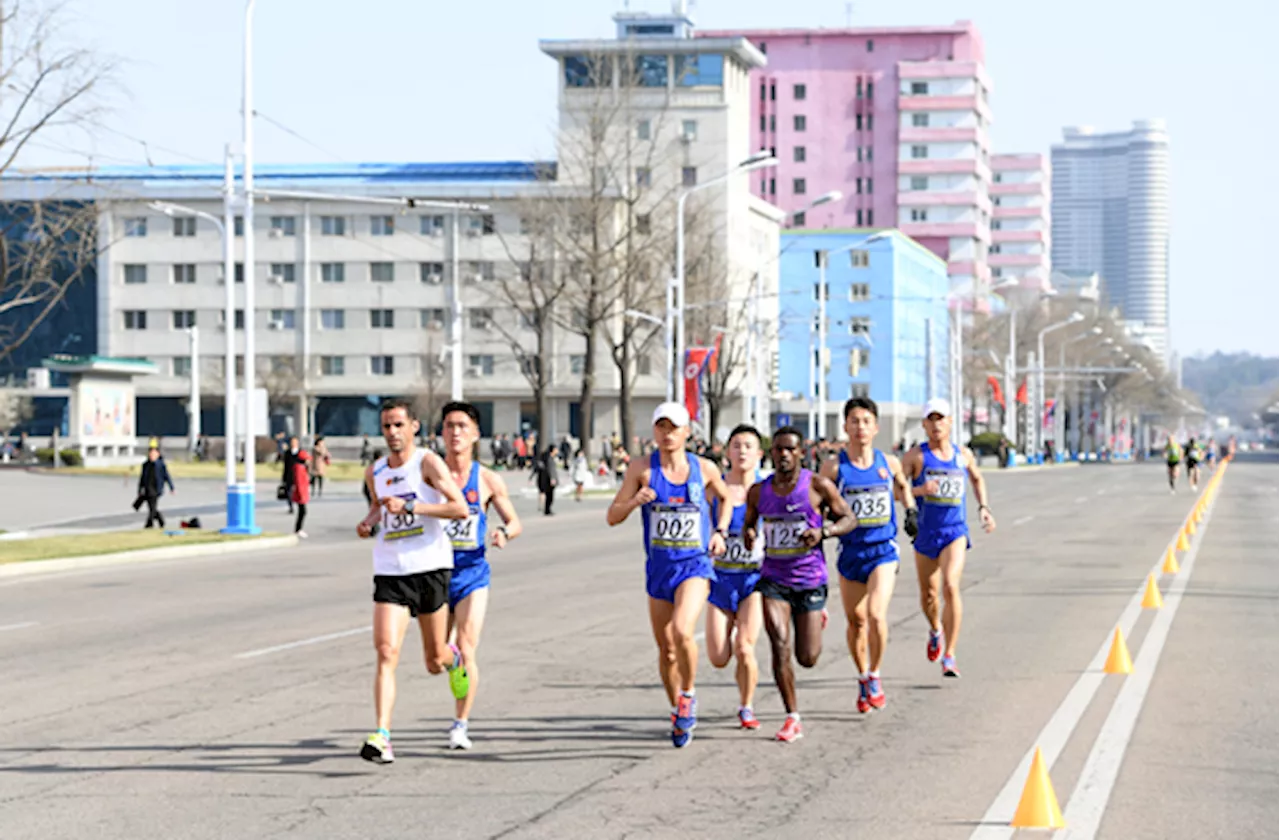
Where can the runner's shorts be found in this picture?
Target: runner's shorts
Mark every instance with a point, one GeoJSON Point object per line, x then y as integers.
{"type": "Point", "coordinates": [801, 600]}
{"type": "Point", "coordinates": [731, 588]}
{"type": "Point", "coordinates": [856, 563]}
{"type": "Point", "coordinates": [931, 543]}
{"type": "Point", "coordinates": [467, 579]}
{"type": "Point", "coordinates": [422, 592]}
{"type": "Point", "coordinates": [662, 579]}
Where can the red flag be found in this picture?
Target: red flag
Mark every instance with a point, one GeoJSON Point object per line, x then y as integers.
{"type": "Point", "coordinates": [696, 360]}
{"type": "Point", "coordinates": [1022, 393]}
{"type": "Point", "coordinates": [996, 392]}
{"type": "Point", "coordinates": [715, 353]}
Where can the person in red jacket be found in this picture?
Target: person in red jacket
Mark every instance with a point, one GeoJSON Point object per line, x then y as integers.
{"type": "Point", "coordinates": [300, 487]}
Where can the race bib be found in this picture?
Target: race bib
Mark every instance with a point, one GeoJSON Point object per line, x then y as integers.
{"type": "Point", "coordinates": [871, 506]}
{"type": "Point", "coordinates": [782, 535]}
{"type": "Point", "coordinates": [675, 526]}
{"type": "Point", "coordinates": [736, 556]}
{"type": "Point", "coordinates": [464, 533]}
{"type": "Point", "coordinates": [398, 526]}
{"type": "Point", "coordinates": [950, 487]}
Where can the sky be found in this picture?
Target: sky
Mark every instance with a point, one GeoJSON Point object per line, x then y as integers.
{"type": "Point", "coordinates": [418, 80]}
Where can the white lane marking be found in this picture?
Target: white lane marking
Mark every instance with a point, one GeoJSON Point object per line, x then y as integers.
{"type": "Point", "coordinates": [1022, 520]}
{"type": "Point", "coordinates": [314, 640]}
{"type": "Point", "coordinates": [1088, 803]}
{"type": "Point", "coordinates": [21, 626]}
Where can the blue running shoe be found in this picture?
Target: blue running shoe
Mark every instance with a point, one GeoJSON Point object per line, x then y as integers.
{"type": "Point", "coordinates": [864, 703]}
{"type": "Point", "coordinates": [686, 713]}
{"type": "Point", "coordinates": [875, 693]}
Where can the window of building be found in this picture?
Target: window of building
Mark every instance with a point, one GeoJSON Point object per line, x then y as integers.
{"type": "Point", "coordinates": [689, 129]}
{"type": "Point", "coordinates": [797, 220]}
{"type": "Point", "coordinates": [483, 224]}
{"type": "Point", "coordinates": [871, 184]}
{"type": "Point", "coordinates": [859, 259]}
{"type": "Point", "coordinates": [817, 287]}
{"type": "Point", "coordinates": [334, 272]}
{"type": "Point", "coordinates": [644, 176]}
{"type": "Point", "coordinates": [996, 224]}
{"type": "Point", "coordinates": [182, 366]}
{"type": "Point", "coordinates": [333, 365]}
{"type": "Point", "coordinates": [333, 319]}
{"type": "Point", "coordinates": [773, 122]}
{"type": "Point", "coordinates": [286, 318]}
{"type": "Point", "coordinates": [135, 274]}
{"type": "Point", "coordinates": [239, 324]}
{"type": "Point", "coordinates": [871, 218]}
{"type": "Point", "coordinates": [476, 271]}
{"type": "Point", "coordinates": [135, 319]}
{"type": "Point", "coordinates": [994, 249]}
{"type": "Point", "coordinates": [184, 319]}
{"type": "Point", "coordinates": [239, 272]}
{"type": "Point", "coordinates": [529, 366]}
{"type": "Point", "coordinates": [283, 271]}
{"type": "Point", "coordinates": [184, 273]}
{"type": "Point", "coordinates": [284, 226]}
{"type": "Point", "coordinates": [382, 319]}
{"type": "Point", "coordinates": [135, 226]}
{"type": "Point", "coordinates": [997, 272]}
{"type": "Point", "coordinates": [919, 214]}
{"type": "Point", "coordinates": [480, 318]}
{"type": "Point", "coordinates": [382, 225]}
{"type": "Point", "coordinates": [857, 124]}
{"type": "Point", "coordinates": [581, 71]}
{"type": "Point", "coordinates": [857, 186]}
{"type": "Point", "coordinates": [773, 91]}
{"type": "Point", "coordinates": [773, 186]}
{"type": "Point", "coordinates": [431, 225]}
{"type": "Point", "coordinates": [382, 272]}
{"type": "Point", "coordinates": [859, 153]}
{"type": "Point", "coordinates": [997, 178]}
{"type": "Point", "coordinates": [432, 319]}
{"type": "Point", "coordinates": [764, 93]}
{"type": "Point", "coordinates": [919, 182]}
{"type": "Point", "coordinates": [480, 364]}
{"type": "Point", "coordinates": [919, 88]}
{"type": "Point", "coordinates": [859, 292]}
{"type": "Point", "coordinates": [644, 224]}
{"type": "Point", "coordinates": [871, 121]}
{"type": "Point", "coordinates": [859, 325]}
{"type": "Point", "coordinates": [799, 92]}
{"type": "Point", "coordinates": [868, 153]}
{"type": "Point", "coordinates": [798, 186]}
{"type": "Point", "coordinates": [643, 130]}
{"type": "Point", "coordinates": [184, 226]}
{"type": "Point", "coordinates": [764, 49]}
{"type": "Point", "coordinates": [577, 364]}
{"type": "Point", "coordinates": [858, 219]}
{"type": "Point", "coordinates": [650, 71]}
{"type": "Point", "coordinates": [333, 226]}
{"type": "Point", "coordinates": [859, 389]}
{"type": "Point", "coordinates": [431, 272]}
{"type": "Point", "coordinates": [689, 176]}
{"type": "Point", "coordinates": [995, 202]}
{"type": "Point", "coordinates": [919, 152]}
{"type": "Point", "coordinates": [382, 365]}
{"type": "Point", "coordinates": [798, 154]}
{"type": "Point", "coordinates": [764, 123]}
{"type": "Point", "coordinates": [798, 122]}
{"type": "Point", "coordinates": [920, 120]}
{"type": "Point", "coordinates": [237, 225]}
{"type": "Point", "coordinates": [871, 90]}
{"type": "Point", "coordinates": [858, 90]}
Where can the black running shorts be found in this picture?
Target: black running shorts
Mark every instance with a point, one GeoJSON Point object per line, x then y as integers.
{"type": "Point", "coordinates": [422, 592]}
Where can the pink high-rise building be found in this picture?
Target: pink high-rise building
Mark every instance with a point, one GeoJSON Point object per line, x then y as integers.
{"type": "Point", "coordinates": [1020, 226]}
{"type": "Point", "coordinates": [895, 118]}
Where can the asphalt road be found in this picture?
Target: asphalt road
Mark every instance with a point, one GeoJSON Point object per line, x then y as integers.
{"type": "Point", "coordinates": [129, 708]}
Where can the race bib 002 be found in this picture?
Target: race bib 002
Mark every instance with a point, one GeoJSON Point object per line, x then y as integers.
{"type": "Point", "coordinates": [871, 506]}
{"type": "Point", "coordinates": [464, 533]}
{"type": "Point", "coordinates": [675, 526]}
{"type": "Point", "coordinates": [950, 487]}
{"type": "Point", "coordinates": [782, 535]}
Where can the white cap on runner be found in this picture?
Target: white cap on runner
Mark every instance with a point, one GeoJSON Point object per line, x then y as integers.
{"type": "Point", "coordinates": [672, 411]}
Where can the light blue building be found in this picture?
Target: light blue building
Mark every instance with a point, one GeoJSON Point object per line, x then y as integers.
{"type": "Point", "coordinates": [887, 328]}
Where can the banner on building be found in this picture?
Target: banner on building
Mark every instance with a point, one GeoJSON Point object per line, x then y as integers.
{"type": "Point", "coordinates": [696, 362]}
{"type": "Point", "coordinates": [997, 393]}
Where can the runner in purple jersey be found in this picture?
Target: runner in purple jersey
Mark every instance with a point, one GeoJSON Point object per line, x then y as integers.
{"type": "Point", "coordinates": [788, 509]}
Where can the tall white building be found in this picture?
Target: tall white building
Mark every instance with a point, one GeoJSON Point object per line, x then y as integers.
{"type": "Point", "coordinates": [353, 296]}
{"type": "Point", "coordinates": [1111, 216]}
{"type": "Point", "coordinates": [1020, 227]}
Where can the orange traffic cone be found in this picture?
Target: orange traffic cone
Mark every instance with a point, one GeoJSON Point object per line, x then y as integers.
{"type": "Point", "coordinates": [1038, 807]}
{"type": "Point", "coordinates": [1190, 526]}
{"type": "Point", "coordinates": [1171, 566]}
{"type": "Point", "coordinates": [1118, 661]}
{"type": "Point", "coordinates": [1151, 599]}
{"type": "Point", "coordinates": [1183, 544]}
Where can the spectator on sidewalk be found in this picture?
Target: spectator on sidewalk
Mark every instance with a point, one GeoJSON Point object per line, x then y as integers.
{"type": "Point", "coordinates": [366, 450]}
{"type": "Point", "coordinates": [545, 470]}
{"type": "Point", "coordinates": [287, 473]}
{"type": "Point", "coordinates": [300, 493]}
{"type": "Point", "coordinates": [581, 474]}
{"type": "Point", "coordinates": [151, 483]}
{"type": "Point", "coordinates": [320, 461]}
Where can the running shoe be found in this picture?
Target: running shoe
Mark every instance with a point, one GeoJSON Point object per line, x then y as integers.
{"type": "Point", "coordinates": [790, 731]}
{"type": "Point", "coordinates": [935, 646]}
{"type": "Point", "coordinates": [686, 718]}
{"type": "Point", "coordinates": [949, 667]}
{"type": "Point", "coordinates": [747, 719]}
{"type": "Point", "coordinates": [458, 739]}
{"type": "Point", "coordinates": [377, 749]}
{"type": "Point", "coordinates": [875, 693]}
{"type": "Point", "coordinates": [679, 737]}
{"type": "Point", "coordinates": [826, 616]}
{"type": "Point", "coordinates": [864, 703]}
{"type": "Point", "coordinates": [459, 683]}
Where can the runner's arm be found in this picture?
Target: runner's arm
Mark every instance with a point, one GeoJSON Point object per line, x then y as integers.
{"type": "Point", "coordinates": [633, 493]}
{"type": "Point", "coordinates": [979, 489]}
{"type": "Point", "coordinates": [751, 518]}
{"type": "Point", "coordinates": [501, 501]}
{"type": "Point", "coordinates": [901, 486]}
{"type": "Point", "coordinates": [831, 469]}
{"type": "Point", "coordinates": [365, 527]}
{"type": "Point", "coordinates": [842, 519]}
{"type": "Point", "coordinates": [713, 481]}
{"type": "Point", "coordinates": [436, 473]}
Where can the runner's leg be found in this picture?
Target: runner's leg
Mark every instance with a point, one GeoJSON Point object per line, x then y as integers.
{"type": "Point", "coordinates": [879, 592]}
{"type": "Point", "coordinates": [777, 623]}
{"type": "Point", "coordinates": [435, 640]}
{"type": "Point", "coordinates": [660, 620]}
{"type": "Point", "coordinates": [719, 636]}
{"type": "Point", "coordinates": [930, 577]}
{"type": "Point", "coordinates": [854, 596]}
{"type": "Point", "coordinates": [808, 627]}
{"type": "Point", "coordinates": [746, 631]}
{"type": "Point", "coordinates": [951, 564]}
{"type": "Point", "coordinates": [691, 594]}
{"type": "Point", "coordinates": [389, 624]}
{"type": "Point", "coordinates": [469, 616]}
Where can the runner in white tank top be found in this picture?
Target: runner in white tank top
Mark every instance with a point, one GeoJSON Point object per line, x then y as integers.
{"type": "Point", "coordinates": [411, 491]}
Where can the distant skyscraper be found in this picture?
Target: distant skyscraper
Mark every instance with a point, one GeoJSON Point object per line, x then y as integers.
{"type": "Point", "coordinates": [1111, 215]}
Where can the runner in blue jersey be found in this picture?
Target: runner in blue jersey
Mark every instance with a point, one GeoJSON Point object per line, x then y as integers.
{"type": "Point", "coordinates": [469, 586]}
{"type": "Point", "coordinates": [673, 490]}
{"type": "Point", "coordinates": [869, 480]}
{"type": "Point", "coordinates": [735, 617]}
{"type": "Point", "coordinates": [937, 471]}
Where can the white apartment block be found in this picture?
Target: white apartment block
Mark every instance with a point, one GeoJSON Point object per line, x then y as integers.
{"type": "Point", "coordinates": [1020, 224]}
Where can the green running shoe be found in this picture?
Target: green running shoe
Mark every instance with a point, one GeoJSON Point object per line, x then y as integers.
{"type": "Point", "coordinates": [459, 682]}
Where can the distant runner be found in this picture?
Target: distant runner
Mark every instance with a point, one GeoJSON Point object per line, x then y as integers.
{"type": "Point", "coordinates": [1193, 454]}
{"type": "Point", "coordinates": [1172, 458]}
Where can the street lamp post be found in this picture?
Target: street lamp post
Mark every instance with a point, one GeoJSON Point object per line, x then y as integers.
{"type": "Point", "coordinates": [675, 310]}
{"type": "Point", "coordinates": [1059, 410]}
{"type": "Point", "coordinates": [1037, 432]}
{"type": "Point", "coordinates": [247, 502]}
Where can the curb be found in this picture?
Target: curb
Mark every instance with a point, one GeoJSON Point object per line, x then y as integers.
{"type": "Point", "coordinates": [147, 555]}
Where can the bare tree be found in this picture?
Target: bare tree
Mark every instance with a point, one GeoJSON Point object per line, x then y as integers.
{"type": "Point", "coordinates": [15, 409]}
{"type": "Point", "coordinates": [432, 391]}
{"type": "Point", "coordinates": [45, 246]}
{"type": "Point", "coordinates": [281, 377]}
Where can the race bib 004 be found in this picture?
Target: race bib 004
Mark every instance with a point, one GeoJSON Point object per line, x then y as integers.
{"type": "Point", "coordinates": [736, 556]}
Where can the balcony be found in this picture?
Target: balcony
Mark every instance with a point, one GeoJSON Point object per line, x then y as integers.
{"type": "Point", "coordinates": [958, 134]}
{"type": "Point", "coordinates": [965, 230]}
{"type": "Point", "coordinates": [1031, 188]}
{"type": "Point", "coordinates": [958, 102]}
{"type": "Point", "coordinates": [942, 166]}
{"type": "Point", "coordinates": [1018, 260]}
{"type": "Point", "coordinates": [1001, 236]}
{"type": "Point", "coordinates": [1020, 213]}
{"type": "Point", "coordinates": [957, 198]}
